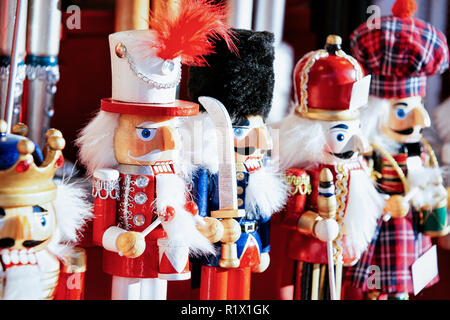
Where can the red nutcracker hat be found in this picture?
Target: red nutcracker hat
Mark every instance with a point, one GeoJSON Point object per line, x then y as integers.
{"type": "Point", "coordinates": [146, 64]}
{"type": "Point", "coordinates": [329, 84]}
{"type": "Point", "coordinates": [401, 54]}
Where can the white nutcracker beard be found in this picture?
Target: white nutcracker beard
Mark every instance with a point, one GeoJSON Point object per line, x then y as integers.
{"type": "Point", "coordinates": [96, 142]}
{"type": "Point", "coordinates": [151, 156]}
{"type": "Point", "coordinates": [296, 135]}
{"type": "Point", "coordinates": [364, 207]}
{"type": "Point", "coordinates": [156, 155]}
{"type": "Point", "coordinates": [428, 185]}
{"type": "Point", "coordinates": [23, 283]}
{"type": "Point", "coordinates": [171, 191]}
{"type": "Point", "coordinates": [266, 191]}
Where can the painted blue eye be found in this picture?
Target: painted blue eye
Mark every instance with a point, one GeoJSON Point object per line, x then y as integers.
{"type": "Point", "coordinates": [340, 137]}
{"type": "Point", "coordinates": [401, 113]}
{"type": "Point", "coordinates": [146, 134]}
{"type": "Point", "coordinates": [43, 221]}
{"type": "Point", "coordinates": [238, 132]}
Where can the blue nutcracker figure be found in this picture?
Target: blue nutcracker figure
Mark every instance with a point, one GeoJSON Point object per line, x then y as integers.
{"type": "Point", "coordinates": [241, 185]}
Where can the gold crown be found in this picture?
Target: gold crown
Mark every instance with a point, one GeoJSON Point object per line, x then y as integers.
{"type": "Point", "coordinates": [25, 183]}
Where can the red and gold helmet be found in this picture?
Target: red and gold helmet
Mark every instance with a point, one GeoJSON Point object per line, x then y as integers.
{"type": "Point", "coordinates": [329, 84]}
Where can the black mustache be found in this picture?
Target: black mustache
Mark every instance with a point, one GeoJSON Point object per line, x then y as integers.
{"type": "Point", "coordinates": [344, 155]}
{"type": "Point", "coordinates": [9, 242]}
{"type": "Point", "coordinates": [32, 243]}
{"type": "Point", "coordinates": [405, 132]}
{"type": "Point", "coordinates": [245, 151]}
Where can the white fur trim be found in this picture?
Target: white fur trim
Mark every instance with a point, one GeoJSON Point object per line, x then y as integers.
{"type": "Point", "coordinates": [72, 211]}
{"type": "Point", "coordinates": [171, 191]}
{"type": "Point", "coordinates": [364, 206]}
{"type": "Point", "coordinates": [265, 190]}
{"type": "Point", "coordinates": [106, 174]}
{"type": "Point", "coordinates": [23, 283]}
{"type": "Point", "coordinates": [109, 239]}
{"type": "Point", "coordinates": [301, 142]}
{"type": "Point", "coordinates": [96, 142]}
{"type": "Point", "coordinates": [294, 136]}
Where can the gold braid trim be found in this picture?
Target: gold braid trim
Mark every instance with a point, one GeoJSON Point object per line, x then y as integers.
{"type": "Point", "coordinates": [302, 184]}
{"type": "Point", "coordinates": [305, 76]}
{"type": "Point", "coordinates": [394, 164]}
{"type": "Point", "coordinates": [341, 207]}
{"type": "Point", "coordinates": [354, 62]}
{"type": "Point", "coordinates": [433, 158]}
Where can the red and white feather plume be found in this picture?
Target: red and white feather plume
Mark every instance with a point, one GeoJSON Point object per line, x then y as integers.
{"type": "Point", "coordinates": [191, 32]}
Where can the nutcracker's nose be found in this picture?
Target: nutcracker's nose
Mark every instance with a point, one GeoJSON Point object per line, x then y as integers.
{"type": "Point", "coordinates": [421, 118]}
{"type": "Point", "coordinates": [169, 140]}
{"type": "Point", "coordinates": [362, 144]}
{"type": "Point", "coordinates": [359, 144]}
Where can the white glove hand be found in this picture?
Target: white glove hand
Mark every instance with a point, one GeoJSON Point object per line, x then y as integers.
{"type": "Point", "coordinates": [326, 230]}
{"type": "Point", "coordinates": [264, 263]}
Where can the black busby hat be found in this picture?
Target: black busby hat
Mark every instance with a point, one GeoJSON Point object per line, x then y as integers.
{"type": "Point", "coordinates": [243, 82]}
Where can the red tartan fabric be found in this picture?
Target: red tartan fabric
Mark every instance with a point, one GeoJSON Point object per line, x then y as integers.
{"type": "Point", "coordinates": [390, 181]}
{"type": "Point", "coordinates": [400, 55]}
{"type": "Point", "coordinates": [396, 246]}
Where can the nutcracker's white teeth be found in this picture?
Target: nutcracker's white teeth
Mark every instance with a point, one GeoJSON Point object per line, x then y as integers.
{"type": "Point", "coordinates": [18, 257]}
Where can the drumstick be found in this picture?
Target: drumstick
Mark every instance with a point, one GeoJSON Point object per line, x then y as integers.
{"type": "Point", "coordinates": [159, 220]}
{"type": "Point", "coordinates": [150, 228]}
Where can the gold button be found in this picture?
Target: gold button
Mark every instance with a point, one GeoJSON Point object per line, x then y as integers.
{"type": "Point", "coordinates": [240, 190]}
{"type": "Point", "coordinates": [240, 202]}
{"type": "Point", "coordinates": [240, 176]}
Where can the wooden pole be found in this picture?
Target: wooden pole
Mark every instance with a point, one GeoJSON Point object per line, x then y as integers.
{"type": "Point", "coordinates": [315, 282]}
{"type": "Point", "coordinates": [327, 210]}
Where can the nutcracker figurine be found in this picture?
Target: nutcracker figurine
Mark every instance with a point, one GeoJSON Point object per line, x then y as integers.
{"type": "Point", "coordinates": [132, 147]}
{"type": "Point", "coordinates": [39, 220]}
{"type": "Point", "coordinates": [244, 84]}
{"type": "Point", "coordinates": [400, 55]}
{"type": "Point", "coordinates": [333, 206]}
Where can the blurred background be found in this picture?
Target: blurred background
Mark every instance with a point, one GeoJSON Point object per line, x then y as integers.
{"type": "Point", "coordinates": [299, 26]}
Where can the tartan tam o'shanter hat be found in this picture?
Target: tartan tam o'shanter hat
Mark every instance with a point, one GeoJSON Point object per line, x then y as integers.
{"type": "Point", "coordinates": [401, 53]}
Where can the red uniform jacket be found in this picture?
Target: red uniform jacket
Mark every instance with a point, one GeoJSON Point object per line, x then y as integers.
{"type": "Point", "coordinates": [304, 191]}
{"type": "Point", "coordinates": [128, 204]}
